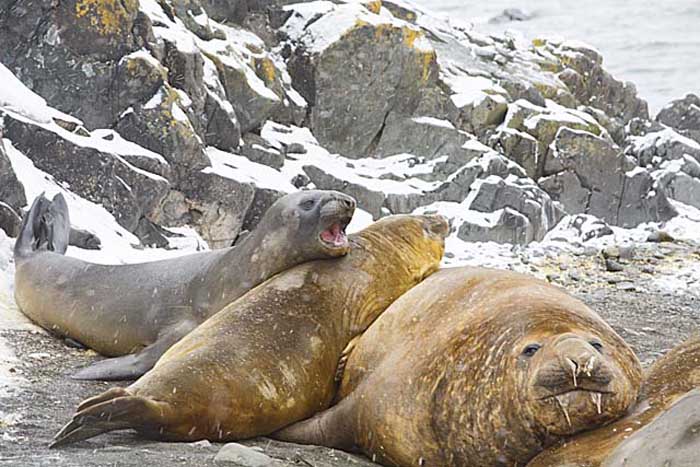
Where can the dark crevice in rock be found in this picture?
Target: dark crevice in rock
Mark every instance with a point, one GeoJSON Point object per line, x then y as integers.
{"type": "Point", "coordinates": [372, 148]}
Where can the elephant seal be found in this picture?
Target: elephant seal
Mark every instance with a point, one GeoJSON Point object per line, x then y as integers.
{"type": "Point", "coordinates": [269, 359]}
{"type": "Point", "coordinates": [662, 429]}
{"type": "Point", "coordinates": [139, 310]}
{"type": "Point", "coordinates": [476, 367]}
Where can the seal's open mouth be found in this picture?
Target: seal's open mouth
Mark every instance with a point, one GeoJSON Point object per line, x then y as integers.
{"type": "Point", "coordinates": [335, 236]}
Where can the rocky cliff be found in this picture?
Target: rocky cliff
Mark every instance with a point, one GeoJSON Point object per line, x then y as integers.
{"type": "Point", "coordinates": [156, 115]}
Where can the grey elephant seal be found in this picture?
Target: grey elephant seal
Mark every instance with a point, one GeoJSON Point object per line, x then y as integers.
{"type": "Point", "coordinates": [476, 367]}
{"type": "Point", "coordinates": [269, 358]}
{"type": "Point", "coordinates": [138, 311]}
{"type": "Point", "coordinates": [663, 428]}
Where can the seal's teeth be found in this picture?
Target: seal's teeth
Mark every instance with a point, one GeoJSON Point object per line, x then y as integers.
{"type": "Point", "coordinates": [563, 409]}
{"type": "Point", "coordinates": [589, 365]}
{"type": "Point", "coordinates": [599, 403]}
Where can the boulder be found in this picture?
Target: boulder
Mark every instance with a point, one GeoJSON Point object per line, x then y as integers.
{"type": "Point", "coordinates": [683, 115]}
{"type": "Point", "coordinates": [520, 195]}
{"type": "Point", "coordinates": [127, 192]}
{"type": "Point", "coordinates": [374, 68]}
{"type": "Point", "coordinates": [503, 226]}
{"type": "Point", "coordinates": [11, 190]}
{"type": "Point", "coordinates": [244, 456]}
{"type": "Point", "coordinates": [10, 220]}
{"type": "Point", "coordinates": [70, 52]}
{"type": "Point", "coordinates": [595, 177]}
{"type": "Point", "coordinates": [214, 205]}
{"type": "Point", "coordinates": [580, 68]}
{"type": "Point", "coordinates": [579, 228]}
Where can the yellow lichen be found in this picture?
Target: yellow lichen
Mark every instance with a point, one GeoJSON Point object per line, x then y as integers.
{"type": "Point", "coordinates": [268, 70]}
{"type": "Point", "coordinates": [107, 17]}
{"type": "Point", "coordinates": [374, 6]}
{"type": "Point", "coordinates": [410, 35]}
{"type": "Point", "coordinates": [427, 60]}
{"type": "Point", "coordinates": [539, 42]}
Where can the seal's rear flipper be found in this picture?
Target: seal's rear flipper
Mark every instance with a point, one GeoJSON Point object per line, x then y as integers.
{"type": "Point", "coordinates": [134, 366]}
{"type": "Point", "coordinates": [46, 227]}
{"type": "Point", "coordinates": [116, 411]}
{"type": "Point", "coordinates": [332, 428]}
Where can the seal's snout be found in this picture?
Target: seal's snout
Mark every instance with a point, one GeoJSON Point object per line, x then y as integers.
{"type": "Point", "coordinates": [577, 365]}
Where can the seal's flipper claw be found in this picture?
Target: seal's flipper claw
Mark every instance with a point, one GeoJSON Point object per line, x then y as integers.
{"type": "Point", "coordinates": [344, 359]}
{"type": "Point", "coordinates": [114, 413]}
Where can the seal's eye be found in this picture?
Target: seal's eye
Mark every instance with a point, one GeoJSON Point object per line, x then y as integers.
{"type": "Point", "coordinates": [597, 345]}
{"type": "Point", "coordinates": [308, 204]}
{"type": "Point", "coordinates": [531, 350]}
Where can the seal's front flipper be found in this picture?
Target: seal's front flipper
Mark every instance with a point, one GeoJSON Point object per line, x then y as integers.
{"type": "Point", "coordinates": [135, 365]}
{"type": "Point", "coordinates": [128, 367]}
{"type": "Point", "coordinates": [332, 428]}
{"type": "Point", "coordinates": [119, 410]}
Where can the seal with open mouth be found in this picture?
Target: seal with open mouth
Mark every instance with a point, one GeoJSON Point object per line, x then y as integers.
{"type": "Point", "coordinates": [269, 358]}
{"type": "Point", "coordinates": [663, 428]}
{"type": "Point", "coordinates": [476, 367]}
{"type": "Point", "coordinates": [137, 311]}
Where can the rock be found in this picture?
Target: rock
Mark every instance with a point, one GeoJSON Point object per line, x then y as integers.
{"type": "Point", "coordinates": [103, 178]}
{"type": "Point", "coordinates": [611, 252]}
{"type": "Point", "coordinates": [257, 150]}
{"type": "Point", "coordinates": [613, 266]}
{"type": "Point", "coordinates": [425, 137]}
{"type": "Point", "coordinates": [659, 236]}
{"type": "Point", "coordinates": [582, 72]}
{"type": "Point", "coordinates": [11, 189]}
{"type": "Point", "coordinates": [510, 14]}
{"type": "Point", "coordinates": [683, 115]}
{"type": "Point", "coordinates": [521, 195]}
{"type": "Point", "coordinates": [87, 240]}
{"type": "Point", "coordinates": [162, 126]}
{"type": "Point", "coordinates": [10, 221]}
{"type": "Point", "coordinates": [216, 206]}
{"type": "Point", "coordinates": [367, 199]}
{"type": "Point", "coordinates": [237, 454]}
{"type": "Point", "coordinates": [69, 52]}
{"type": "Point", "coordinates": [347, 115]}
{"type": "Point", "coordinates": [519, 147]}
{"type": "Point", "coordinates": [580, 226]}
{"type": "Point", "coordinates": [262, 200]}
{"type": "Point", "coordinates": [598, 179]}
{"type": "Point", "coordinates": [503, 226]}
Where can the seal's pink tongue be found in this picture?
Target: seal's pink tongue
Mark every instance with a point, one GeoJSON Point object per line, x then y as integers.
{"type": "Point", "coordinates": [334, 235]}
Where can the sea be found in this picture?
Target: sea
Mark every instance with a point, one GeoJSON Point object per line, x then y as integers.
{"type": "Point", "coordinates": [653, 43]}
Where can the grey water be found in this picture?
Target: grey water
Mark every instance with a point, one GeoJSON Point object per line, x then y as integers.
{"type": "Point", "coordinates": [653, 43]}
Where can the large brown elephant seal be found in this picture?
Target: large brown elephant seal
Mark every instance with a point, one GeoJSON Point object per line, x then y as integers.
{"type": "Point", "coordinates": [663, 429]}
{"type": "Point", "coordinates": [145, 308]}
{"type": "Point", "coordinates": [476, 367]}
{"type": "Point", "coordinates": [269, 359]}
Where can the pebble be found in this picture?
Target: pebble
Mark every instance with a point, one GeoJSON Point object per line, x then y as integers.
{"type": "Point", "coordinates": [613, 266]}
{"type": "Point", "coordinates": [611, 252]}
{"type": "Point", "coordinates": [553, 277]}
{"type": "Point", "coordinates": [660, 236]}
{"type": "Point", "coordinates": [626, 285]}
{"type": "Point", "coordinates": [237, 454]}
{"type": "Point", "coordinates": [648, 270]}
{"type": "Point", "coordinates": [574, 276]}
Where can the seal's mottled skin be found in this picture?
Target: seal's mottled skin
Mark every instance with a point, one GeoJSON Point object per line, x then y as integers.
{"type": "Point", "coordinates": [663, 427]}
{"type": "Point", "coordinates": [269, 359]}
{"type": "Point", "coordinates": [145, 308]}
{"type": "Point", "coordinates": [451, 375]}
